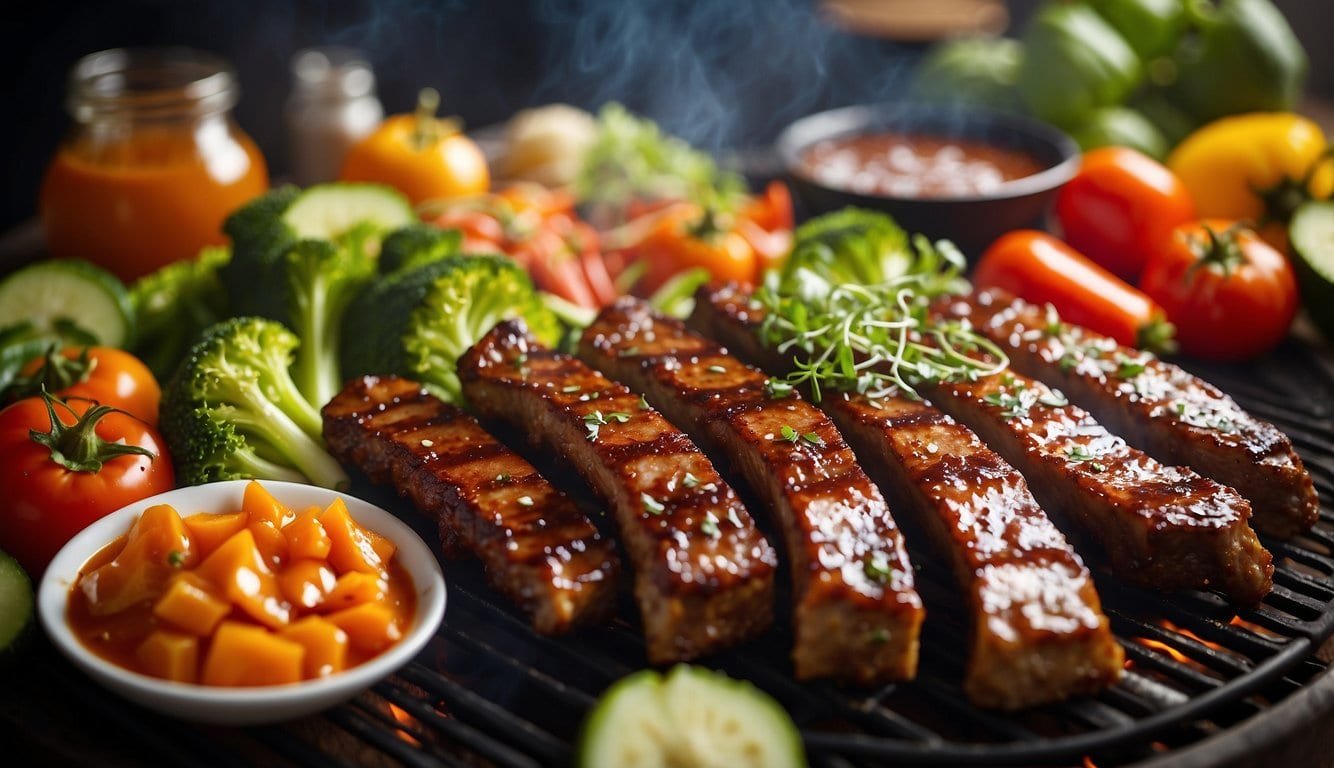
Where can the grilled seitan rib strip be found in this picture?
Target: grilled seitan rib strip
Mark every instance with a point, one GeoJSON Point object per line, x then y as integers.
{"type": "Point", "coordinates": [703, 572]}
{"type": "Point", "coordinates": [857, 615]}
{"type": "Point", "coordinates": [536, 546]}
{"type": "Point", "coordinates": [1038, 631]}
{"type": "Point", "coordinates": [1155, 406]}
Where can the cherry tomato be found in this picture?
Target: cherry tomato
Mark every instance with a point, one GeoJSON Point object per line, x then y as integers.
{"type": "Point", "coordinates": [1231, 295]}
{"type": "Point", "coordinates": [423, 157]}
{"type": "Point", "coordinates": [1119, 206]}
{"type": "Point", "coordinates": [107, 375]}
{"type": "Point", "coordinates": [64, 465]}
{"type": "Point", "coordinates": [1043, 270]}
{"type": "Point", "coordinates": [677, 243]}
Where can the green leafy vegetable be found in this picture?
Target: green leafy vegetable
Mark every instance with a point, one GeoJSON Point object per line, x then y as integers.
{"type": "Point", "coordinates": [173, 305]}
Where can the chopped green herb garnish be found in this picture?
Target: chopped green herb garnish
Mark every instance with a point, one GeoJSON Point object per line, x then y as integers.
{"type": "Point", "coordinates": [1083, 453]}
{"type": "Point", "coordinates": [1129, 367]}
{"type": "Point", "coordinates": [503, 477]}
{"type": "Point", "coordinates": [570, 388]}
{"type": "Point", "coordinates": [620, 417]}
{"type": "Point", "coordinates": [593, 422]}
{"type": "Point", "coordinates": [628, 352]}
{"type": "Point", "coordinates": [777, 389]}
{"type": "Point", "coordinates": [175, 558]}
{"type": "Point", "coordinates": [789, 434]}
{"type": "Point", "coordinates": [877, 570]}
{"type": "Point", "coordinates": [710, 526]}
{"type": "Point", "coordinates": [690, 481]}
{"type": "Point", "coordinates": [717, 369]}
{"type": "Point", "coordinates": [652, 505]}
{"type": "Point", "coordinates": [880, 636]}
{"type": "Point", "coordinates": [1054, 399]}
{"type": "Point", "coordinates": [643, 403]}
{"type": "Point", "coordinates": [813, 438]}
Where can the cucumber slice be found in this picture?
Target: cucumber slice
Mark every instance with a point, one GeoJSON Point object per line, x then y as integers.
{"type": "Point", "coordinates": [1311, 235]}
{"type": "Point", "coordinates": [692, 718]}
{"type": "Point", "coordinates": [331, 211]}
{"type": "Point", "coordinates": [15, 604]}
{"type": "Point", "coordinates": [64, 298]}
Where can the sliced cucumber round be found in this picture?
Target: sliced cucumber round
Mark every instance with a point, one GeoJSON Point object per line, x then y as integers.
{"type": "Point", "coordinates": [68, 299]}
{"type": "Point", "coordinates": [16, 604]}
{"type": "Point", "coordinates": [691, 718]}
{"type": "Point", "coordinates": [1311, 235]}
{"type": "Point", "coordinates": [330, 211]}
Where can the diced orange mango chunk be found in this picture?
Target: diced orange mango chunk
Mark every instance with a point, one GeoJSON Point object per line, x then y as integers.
{"type": "Point", "coordinates": [238, 571]}
{"type": "Point", "coordinates": [270, 541]}
{"type": "Point", "coordinates": [353, 548]}
{"type": "Point", "coordinates": [260, 506]}
{"type": "Point", "coordinates": [306, 583]}
{"type": "Point", "coordinates": [355, 588]}
{"type": "Point", "coordinates": [325, 644]}
{"type": "Point", "coordinates": [170, 655]}
{"type": "Point", "coordinates": [190, 605]}
{"type": "Point", "coordinates": [242, 654]}
{"type": "Point", "coordinates": [370, 627]}
{"type": "Point", "coordinates": [208, 531]}
{"type": "Point", "coordinates": [156, 546]}
{"type": "Point", "coordinates": [306, 537]}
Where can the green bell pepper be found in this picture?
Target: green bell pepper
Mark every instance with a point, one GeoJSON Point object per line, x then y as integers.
{"type": "Point", "coordinates": [977, 71]}
{"type": "Point", "coordinates": [1075, 62]}
{"type": "Point", "coordinates": [1152, 27]}
{"type": "Point", "coordinates": [1120, 126]}
{"type": "Point", "coordinates": [1244, 58]}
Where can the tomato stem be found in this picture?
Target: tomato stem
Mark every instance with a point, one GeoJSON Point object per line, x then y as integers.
{"type": "Point", "coordinates": [56, 373]}
{"type": "Point", "coordinates": [1218, 250]}
{"type": "Point", "coordinates": [77, 447]}
{"type": "Point", "coordinates": [426, 129]}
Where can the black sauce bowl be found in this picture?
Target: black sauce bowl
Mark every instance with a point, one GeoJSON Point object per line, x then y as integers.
{"type": "Point", "coordinates": [972, 222]}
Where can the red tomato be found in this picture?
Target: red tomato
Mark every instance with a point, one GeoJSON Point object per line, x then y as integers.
{"type": "Point", "coordinates": [105, 374]}
{"type": "Point", "coordinates": [1119, 206]}
{"type": "Point", "coordinates": [1043, 270]}
{"type": "Point", "coordinates": [1231, 295]}
{"type": "Point", "coordinates": [47, 501]}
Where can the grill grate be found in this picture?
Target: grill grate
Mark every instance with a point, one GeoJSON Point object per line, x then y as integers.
{"type": "Point", "coordinates": [489, 691]}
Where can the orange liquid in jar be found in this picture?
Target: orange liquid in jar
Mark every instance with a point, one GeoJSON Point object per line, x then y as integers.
{"type": "Point", "coordinates": [155, 196]}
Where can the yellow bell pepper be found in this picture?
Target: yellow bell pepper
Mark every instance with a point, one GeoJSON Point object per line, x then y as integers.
{"type": "Point", "coordinates": [1258, 167]}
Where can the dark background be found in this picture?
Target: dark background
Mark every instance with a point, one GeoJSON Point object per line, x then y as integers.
{"type": "Point", "coordinates": [721, 73]}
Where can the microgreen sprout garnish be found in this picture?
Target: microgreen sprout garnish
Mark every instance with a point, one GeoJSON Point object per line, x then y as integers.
{"type": "Point", "coordinates": [651, 505]}
{"type": "Point", "coordinates": [620, 417]}
{"type": "Point", "coordinates": [877, 339]}
{"type": "Point", "coordinates": [1054, 326]}
{"type": "Point", "coordinates": [690, 481]}
{"type": "Point", "coordinates": [628, 352]}
{"type": "Point", "coordinates": [710, 526]}
{"type": "Point", "coordinates": [777, 389]}
{"type": "Point", "coordinates": [175, 558]}
{"type": "Point", "coordinates": [1018, 398]}
{"type": "Point", "coordinates": [643, 403]}
{"type": "Point", "coordinates": [789, 434]}
{"type": "Point", "coordinates": [593, 422]}
{"type": "Point", "coordinates": [813, 439]}
{"type": "Point", "coordinates": [503, 477]}
{"type": "Point", "coordinates": [525, 501]}
{"type": "Point", "coordinates": [717, 369]}
{"type": "Point", "coordinates": [1082, 453]}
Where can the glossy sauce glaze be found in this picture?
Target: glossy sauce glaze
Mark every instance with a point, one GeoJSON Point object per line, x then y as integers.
{"type": "Point", "coordinates": [1157, 406]}
{"type": "Point", "coordinates": [703, 572]}
{"type": "Point", "coordinates": [536, 546]}
{"type": "Point", "coordinates": [1039, 633]}
{"type": "Point", "coordinates": [857, 612]}
{"type": "Point", "coordinates": [915, 165]}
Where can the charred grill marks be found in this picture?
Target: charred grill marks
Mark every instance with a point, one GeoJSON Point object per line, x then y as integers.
{"type": "Point", "coordinates": [1156, 406]}
{"type": "Point", "coordinates": [1038, 631]}
{"type": "Point", "coordinates": [703, 573]}
{"type": "Point", "coordinates": [857, 615]}
{"type": "Point", "coordinates": [535, 545]}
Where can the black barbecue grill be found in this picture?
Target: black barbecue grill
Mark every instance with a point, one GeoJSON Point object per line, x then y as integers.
{"type": "Point", "coordinates": [1203, 682]}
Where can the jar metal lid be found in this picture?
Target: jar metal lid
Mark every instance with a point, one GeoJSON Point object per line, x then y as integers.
{"type": "Point", "coordinates": [150, 82]}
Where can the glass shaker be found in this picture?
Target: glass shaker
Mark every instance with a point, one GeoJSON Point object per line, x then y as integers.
{"type": "Point", "coordinates": [153, 162]}
{"type": "Point", "coordinates": [331, 106]}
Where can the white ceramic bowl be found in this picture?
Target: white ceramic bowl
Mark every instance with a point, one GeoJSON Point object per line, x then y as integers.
{"type": "Point", "coordinates": [242, 706]}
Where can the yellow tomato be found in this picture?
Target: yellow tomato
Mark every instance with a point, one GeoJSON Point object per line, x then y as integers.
{"type": "Point", "coordinates": [422, 156]}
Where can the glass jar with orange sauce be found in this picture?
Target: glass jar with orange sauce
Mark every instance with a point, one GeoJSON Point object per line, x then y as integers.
{"type": "Point", "coordinates": [154, 162]}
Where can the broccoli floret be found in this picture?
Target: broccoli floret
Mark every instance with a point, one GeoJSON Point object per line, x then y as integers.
{"type": "Point", "coordinates": [260, 237]}
{"type": "Point", "coordinates": [232, 410]}
{"type": "Point", "coordinates": [417, 322]}
{"type": "Point", "coordinates": [415, 245]}
{"type": "Point", "coordinates": [322, 279]}
{"type": "Point", "coordinates": [852, 245]}
{"type": "Point", "coordinates": [173, 305]}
